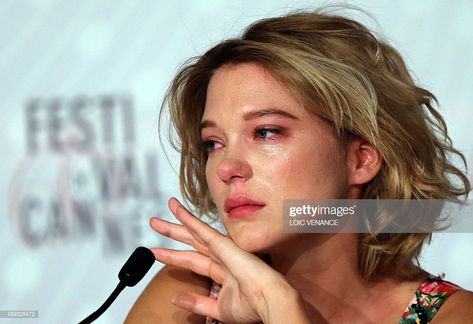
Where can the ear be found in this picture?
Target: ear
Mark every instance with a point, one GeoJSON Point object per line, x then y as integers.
{"type": "Point", "coordinates": [363, 162]}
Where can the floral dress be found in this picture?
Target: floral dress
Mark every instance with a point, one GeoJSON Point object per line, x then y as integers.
{"type": "Point", "coordinates": [425, 303]}
{"type": "Point", "coordinates": [428, 298]}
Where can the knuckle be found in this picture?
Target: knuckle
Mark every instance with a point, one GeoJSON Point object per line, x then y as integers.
{"type": "Point", "coordinates": [218, 244]}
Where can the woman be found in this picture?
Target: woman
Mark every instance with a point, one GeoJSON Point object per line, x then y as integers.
{"type": "Point", "coordinates": [305, 106]}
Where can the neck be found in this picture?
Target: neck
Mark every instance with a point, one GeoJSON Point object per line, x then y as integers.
{"type": "Point", "coordinates": [317, 256]}
{"type": "Point", "coordinates": [324, 269]}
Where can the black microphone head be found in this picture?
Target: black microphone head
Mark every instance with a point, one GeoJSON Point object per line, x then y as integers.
{"type": "Point", "coordinates": [136, 267]}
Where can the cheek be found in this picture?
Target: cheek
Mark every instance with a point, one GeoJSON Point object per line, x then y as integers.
{"type": "Point", "coordinates": [211, 177]}
{"type": "Point", "coordinates": [272, 168]}
{"type": "Point", "coordinates": [217, 188]}
{"type": "Point", "coordinates": [313, 174]}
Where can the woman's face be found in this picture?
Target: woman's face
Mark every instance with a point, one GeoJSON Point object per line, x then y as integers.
{"type": "Point", "coordinates": [264, 147]}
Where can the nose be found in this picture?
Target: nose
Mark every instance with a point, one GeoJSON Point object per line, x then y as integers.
{"type": "Point", "coordinates": [233, 168]}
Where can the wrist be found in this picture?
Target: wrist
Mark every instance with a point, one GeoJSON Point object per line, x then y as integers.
{"type": "Point", "coordinates": [285, 305]}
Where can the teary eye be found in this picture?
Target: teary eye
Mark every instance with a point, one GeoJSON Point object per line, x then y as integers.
{"type": "Point", "coordinates": [210, 145]}
{"type": "Point", "coordinates": [267, 133]}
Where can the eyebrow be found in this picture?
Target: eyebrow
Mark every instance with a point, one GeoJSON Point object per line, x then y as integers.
{"type": "Point", "coordinates": [253, 115]}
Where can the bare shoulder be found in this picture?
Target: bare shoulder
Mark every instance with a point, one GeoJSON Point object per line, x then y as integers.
{"type": "Point", "coordinates": [154, 305]}
{"type": "Point", "coordinates": [457, 309]}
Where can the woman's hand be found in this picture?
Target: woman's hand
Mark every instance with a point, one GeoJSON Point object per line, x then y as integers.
{"type": "Point", "coordinates": [251, 290]}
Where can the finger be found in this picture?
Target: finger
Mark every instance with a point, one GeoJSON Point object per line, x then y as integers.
{"type": "Point", "coordinates": [192, 260]}
{"type": "Point", "coordinates": [174, 205]}
{"type": "Point", "coordinates": [197, 304]}
{"type": "Point", "coordinates": [220, 246]}
{"type": "Point", "coordinates": [177, 232]}
{"type": "Point", "coordinates": [202, 232]}
{"type": "Point", "coordinates": [199, 228]}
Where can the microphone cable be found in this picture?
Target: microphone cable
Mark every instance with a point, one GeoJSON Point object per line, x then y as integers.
{"type": "Point", "coordinates": [134, 269]}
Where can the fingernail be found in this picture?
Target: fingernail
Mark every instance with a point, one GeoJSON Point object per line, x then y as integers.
{"type": "Point", "coordinates": [182, 300]}
{"type": "Point", "coordinates": [160, 253]}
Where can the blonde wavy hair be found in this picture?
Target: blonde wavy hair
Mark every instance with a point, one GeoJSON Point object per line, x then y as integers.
{"type": "Point", "coordinates": [341, 72]}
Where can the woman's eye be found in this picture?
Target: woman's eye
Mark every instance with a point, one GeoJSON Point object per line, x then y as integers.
{"type": "Point", "coordinates": [267, 133]}
{"type": "Point", "coordinates": [210, 145]}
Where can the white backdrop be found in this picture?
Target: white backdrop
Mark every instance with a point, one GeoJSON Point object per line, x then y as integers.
{"type": "Point", "coordinates": [82, 169]}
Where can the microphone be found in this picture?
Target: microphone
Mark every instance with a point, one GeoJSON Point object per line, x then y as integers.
{"type": "Point", "coordinates": [134, 269]}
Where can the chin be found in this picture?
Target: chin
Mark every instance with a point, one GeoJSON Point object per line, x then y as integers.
{"type": "Point", "coordinates": [257, 241]}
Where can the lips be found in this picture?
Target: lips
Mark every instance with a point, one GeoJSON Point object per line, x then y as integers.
{"type": "Point", "coordinates": [240, 206]}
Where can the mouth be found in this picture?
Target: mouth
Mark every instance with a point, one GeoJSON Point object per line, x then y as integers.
{"type": "Point", "coordinates": [241, 206]}
{"type": "Point", "coordinates": [243, 211]}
